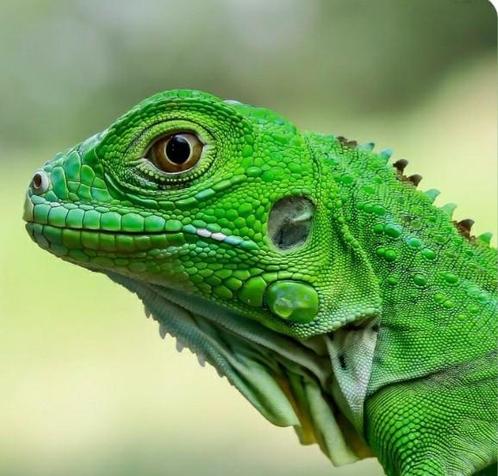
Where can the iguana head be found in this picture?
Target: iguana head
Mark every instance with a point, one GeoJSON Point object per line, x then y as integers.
{"type": "Point", "coordinates": [229, 228]}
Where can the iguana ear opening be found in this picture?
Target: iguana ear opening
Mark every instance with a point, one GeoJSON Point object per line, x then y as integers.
{"type": "Point", "coordinates": [289, 222]}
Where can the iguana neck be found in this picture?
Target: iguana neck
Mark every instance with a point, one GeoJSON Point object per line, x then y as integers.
{"type": "Point", "coordinates": [439, 280]}
{"type": "Point", "coordinates": [396, 225]}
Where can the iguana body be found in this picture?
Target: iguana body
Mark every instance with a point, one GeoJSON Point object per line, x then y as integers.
{"type": "Point", "coordinates": [309, 271]}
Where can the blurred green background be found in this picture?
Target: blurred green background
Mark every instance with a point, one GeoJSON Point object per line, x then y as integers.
{"type": "Point", "coordinates": [87, 386]}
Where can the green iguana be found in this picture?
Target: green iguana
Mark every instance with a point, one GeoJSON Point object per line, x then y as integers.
{"type": "Point", "coordinates": [304, 267]}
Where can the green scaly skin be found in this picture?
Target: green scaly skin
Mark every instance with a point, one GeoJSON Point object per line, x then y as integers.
{"type": "Point", "coordinates": [375, 333]}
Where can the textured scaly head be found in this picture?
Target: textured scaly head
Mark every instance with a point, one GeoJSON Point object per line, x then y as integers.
{"type": "Point", "coordinates": [211, 198]}
{"type": "Point", "coordinates": [220, 218]}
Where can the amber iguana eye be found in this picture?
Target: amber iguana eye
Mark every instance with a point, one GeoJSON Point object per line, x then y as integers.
{"type": "Point", "coordinates": [175, 153]}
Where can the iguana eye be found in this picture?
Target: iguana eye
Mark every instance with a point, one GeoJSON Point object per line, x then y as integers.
{"type": "Point", "coordinates": [176, 153]}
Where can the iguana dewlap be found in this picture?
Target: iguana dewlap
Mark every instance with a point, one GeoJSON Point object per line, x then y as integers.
{"type": "Point", "coordinates": [306, 269]}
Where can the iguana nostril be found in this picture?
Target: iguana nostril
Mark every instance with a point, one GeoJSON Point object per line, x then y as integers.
{"type": "Point", "coordinates": [40, 182]}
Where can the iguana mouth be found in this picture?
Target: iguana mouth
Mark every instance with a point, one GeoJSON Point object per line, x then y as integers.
{"type": "Point", "coordinates": [101, 232]}
{"type": "Point", "coordinates": [284, 378]}
{"type": "Point", "coordinates": [51, 223]}
{"type": "Point", "coordinates": [100, 242]}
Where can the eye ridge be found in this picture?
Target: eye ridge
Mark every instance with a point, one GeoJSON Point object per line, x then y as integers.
{"type": "Point", "coordinates": [176, 153]}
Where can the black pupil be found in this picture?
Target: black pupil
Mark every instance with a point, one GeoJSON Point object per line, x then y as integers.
{"type": "Point", "coordinates": [178, 149]}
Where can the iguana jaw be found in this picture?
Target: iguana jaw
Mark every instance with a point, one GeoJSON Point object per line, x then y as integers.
{"type": "Point", "coordinates": [286, 379]}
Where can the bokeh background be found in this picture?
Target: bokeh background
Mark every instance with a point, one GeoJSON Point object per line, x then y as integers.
{"type": "Point", "coordinates": [87, 386]}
